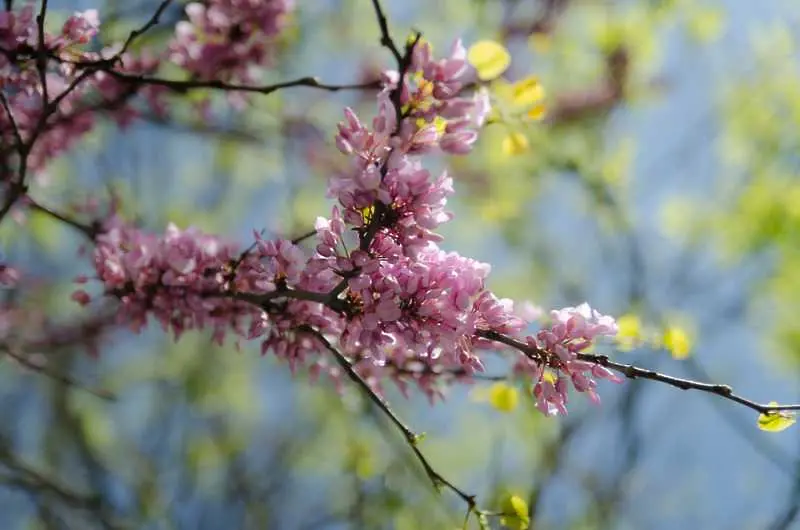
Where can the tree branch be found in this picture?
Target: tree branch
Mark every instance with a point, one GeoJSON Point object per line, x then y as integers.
{"type": "Point", "coordinates": [186, 86]}
{"type": "Point", "coordinates": [386, 38]}
{"type": "Point", "coordinates": [412, 439]}
{"type": "Point", "coordinates": [634, 372]}
{"type": "Point", "coordinates": [135, 34]}
{"type": "Point", "coordinates": [59, 377]}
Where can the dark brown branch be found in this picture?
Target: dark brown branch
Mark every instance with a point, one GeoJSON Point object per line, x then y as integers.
{"type": "Point", "coordinates": [386, 38]}
{"type": "Point", "coordinates": [410, 436]}
{"type": "Point", "coordinates": [302, 237]}
{"type": "Point", "coordinates": [262, 299]}
{"type": "Point", "coordinates": [12, 120]}
{"type": "Point", "coordinates": [186, 86]}
{"type": "Point", "coordinates": [90, 231]}
{"type": "Point", "coordinates": [135, 34]}
{"type": "Point", "coordinates": [41, 53]}
{"type": "Point", "coordinates": [634, 372]}
{"type": "Point", "coordinates": [725, 391]}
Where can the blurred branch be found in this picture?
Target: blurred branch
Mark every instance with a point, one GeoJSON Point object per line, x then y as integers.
{"type": "Point", "coordinates": [553, 456]}
{"type": "Point", "coordinates": [90, 231]}
{"type": "Point", "coordinates": [543, 23]}
{"type": "Point", "coordinates": [205, 129]}
{"type": "Point", "coordinates": [35, 481]}
{"type": "Point", "coordinates": [580, 104]}
{"type": "Point", "coordinates": [68, 420]}
{"type": "Point", "coordinates": [186, 86]}
{"type": "Point", "coordinates": [56, 376]}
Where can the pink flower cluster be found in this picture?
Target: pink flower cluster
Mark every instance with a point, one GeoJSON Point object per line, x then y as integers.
{"type": "Point", "coordinates": [223, 39]}
{"type": "Point", "coordinates": [399, 318]}
{"type": "Point", "coordinates": [24, 95]}
{"type": "Point", "coordinates": [375, 285]}
{"type": "Point", "coordinates": [430, 96]}
{"type": "Point", "coordinates": [165, 277]}
{"type": "Point", "coordinates": [573, 330]}
{"type": "Point", "coordinates": [227, 39]}
{"type": "Point", "coordinates": [385, 177]}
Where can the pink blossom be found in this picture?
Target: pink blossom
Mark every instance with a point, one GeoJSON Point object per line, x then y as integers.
{"type": "Point", "coordinates": [81, 27]}
{"type": "Point", "coordinates": [571, 332]}
{"type": "Point", "coordinates": [81, 296]}
{"type": "Point", "coordinates": [226, 39]}
{"type": "Point", "coordinates": [9, 276]}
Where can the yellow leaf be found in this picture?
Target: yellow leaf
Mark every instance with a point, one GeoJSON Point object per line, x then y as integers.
{"type": "Point", "coordinates": [503, 397]}
{"type": "Point", "coordinates": [439, 124]}
{"type": "Point", "coordinates": [519, 505]}
{"type": "Point", "coordinates": [629, 331]}
{"type": "Point", "coordinates": [678, 342]}
{"type": "Point", "coordinates": [537, 112]}
{"type": "Point", "coordinates": [420, 42]}
{"type": "Point", "coordinates": [528, 91]}
{"type": "Point", "coordinates": [515, 144]}
{"type": "Point", "coordinates": [776, 421]}
{"type": "Point", "coordinates": [517, 514]}
{"type": "Point", "coordinates": [489, 58]}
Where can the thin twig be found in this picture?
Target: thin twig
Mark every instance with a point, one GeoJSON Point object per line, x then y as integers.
{"type": "Point", "coordinates": [412, 439]}
{"type": "Point", "coordinates": [186, 86]}
{"type": "Point", "coordinates": [41, 54]}
{"type": "Point", "coordinates": [302, 237]}
{"type": "Point", "coordinates": [12, 120]}
{"type": "Point", "coordinates": [135, 34]}
{"type": "Point", "coordinates": [725, 391]}
{"type": "Point", "coordinates": [61, 378]}
{"type": "Point", "coordinates": [296, 294]}
{"type": "Point", "coordinates": [90, 231]}
{"type": "Point", "coordinates": [386, 38]}
{"type": "Point", "coordinates": [634, 372]}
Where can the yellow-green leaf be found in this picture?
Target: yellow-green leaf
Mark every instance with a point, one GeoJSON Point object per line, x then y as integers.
{"type": "Point", "coordinates": [527, 91]}
{"type": "Point", "coordinates": [515, 144]}
{"type": "Point", "coordinates": [503, 397]}
{"type": "Point", "coordinates": [677, 341]}
{"type": "Point", "coordinates": [629, 331]}
{"type": "Point", "coordinates": [776, 421]}
{"type": "Point", "coordinates": [489, 58]}
{"type": "Point", "coordinates": [537, 111]}
{"type": "Point", "coordinates": [517, 514]}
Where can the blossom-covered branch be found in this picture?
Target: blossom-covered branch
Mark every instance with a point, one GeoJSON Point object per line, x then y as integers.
{"type": "Point", "coordinates": [376, 299]}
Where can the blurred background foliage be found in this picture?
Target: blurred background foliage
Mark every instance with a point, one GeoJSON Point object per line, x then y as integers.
{"type": "Point", "coordinates": [661, 185]}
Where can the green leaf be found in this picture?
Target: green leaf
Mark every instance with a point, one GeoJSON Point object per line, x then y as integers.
{"type": "Point", "coordinates": [776, 421]}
